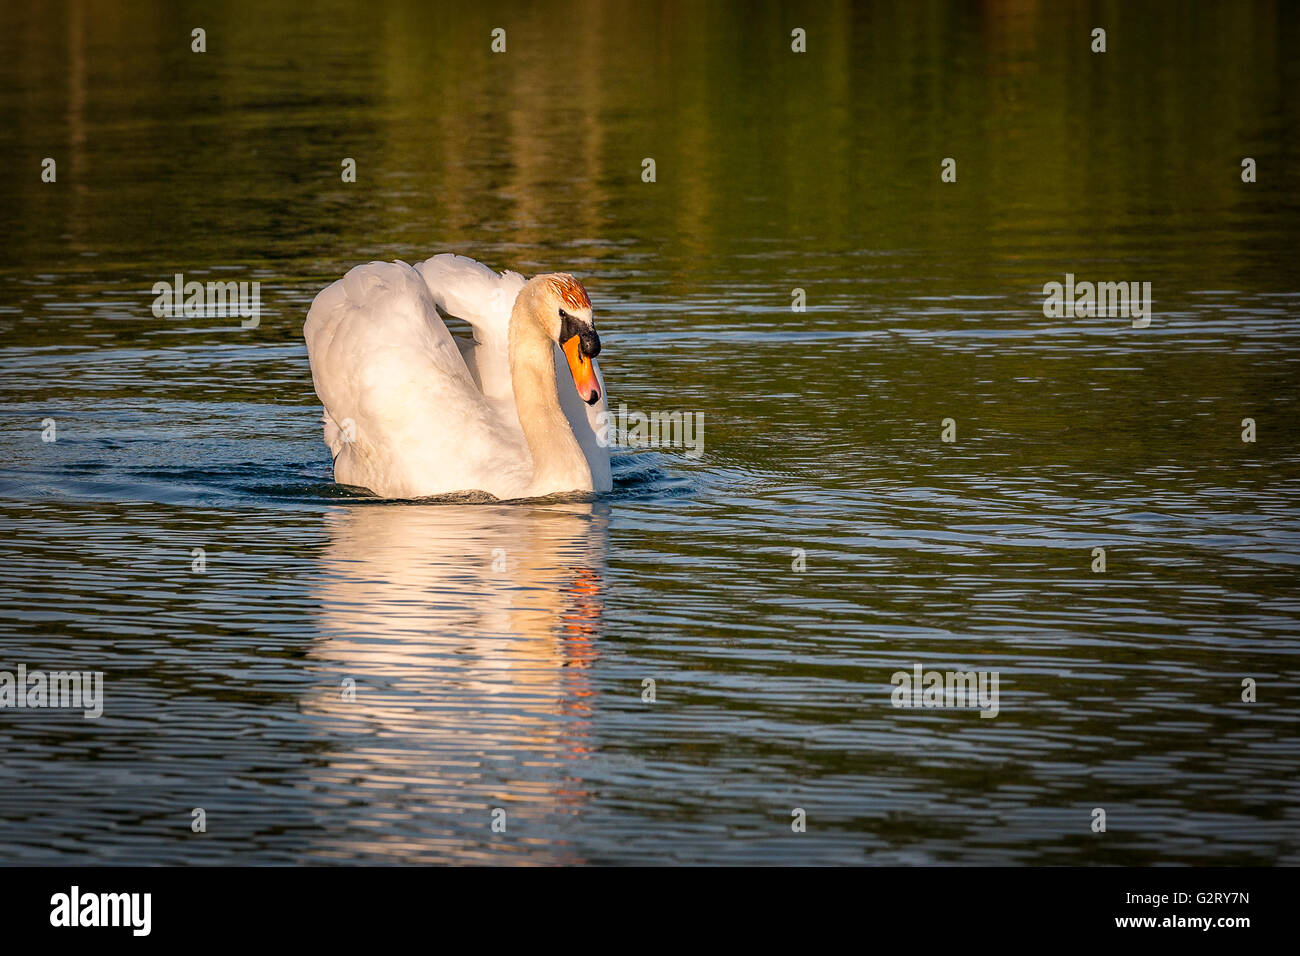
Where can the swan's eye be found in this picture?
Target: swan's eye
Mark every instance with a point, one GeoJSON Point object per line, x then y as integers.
{"type": "Point", "coordinates": [564, 315]}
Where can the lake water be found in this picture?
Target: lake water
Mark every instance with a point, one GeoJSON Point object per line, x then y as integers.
{"type": "Point", "coordinates": [354, 681]}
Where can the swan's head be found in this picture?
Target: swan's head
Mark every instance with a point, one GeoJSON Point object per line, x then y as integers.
{"type": "Point", "coordinates": [565, 313]}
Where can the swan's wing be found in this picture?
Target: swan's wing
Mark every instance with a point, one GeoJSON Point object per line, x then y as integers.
{"type": "Point", "coordinates": [402, 413]}
{"type": "Point", "coordinates": [467, 289]}
{"type": "Point", "coordinates": [378, 311]}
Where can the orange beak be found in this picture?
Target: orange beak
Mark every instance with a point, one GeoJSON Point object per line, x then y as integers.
{"type": "Point", "coordinates": [584, 373]}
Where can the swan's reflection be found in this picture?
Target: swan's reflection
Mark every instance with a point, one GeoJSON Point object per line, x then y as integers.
{"type": "Point", "coordinates": [468, 630]}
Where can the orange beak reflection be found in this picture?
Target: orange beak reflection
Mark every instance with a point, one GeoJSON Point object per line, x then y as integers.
{"type": "Point", "coordinates": [584, 373]}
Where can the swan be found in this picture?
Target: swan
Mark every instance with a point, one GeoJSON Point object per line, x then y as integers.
{"type": "Point", "coordinates": [412, 411]}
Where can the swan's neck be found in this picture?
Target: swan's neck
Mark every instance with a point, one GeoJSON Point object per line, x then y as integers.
{"type": "Point", "coordinates": [558, 462]}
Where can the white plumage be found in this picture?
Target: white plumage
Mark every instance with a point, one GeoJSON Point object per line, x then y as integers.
{"type": "Point", "coordinates": [413, 411]}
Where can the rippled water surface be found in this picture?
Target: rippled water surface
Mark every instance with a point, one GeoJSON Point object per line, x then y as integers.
{"type": "Point", "coordinates": [499, 652]}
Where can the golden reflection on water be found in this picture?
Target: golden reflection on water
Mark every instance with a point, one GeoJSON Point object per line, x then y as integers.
{"type": "Point", "coordinates": [469, 632]}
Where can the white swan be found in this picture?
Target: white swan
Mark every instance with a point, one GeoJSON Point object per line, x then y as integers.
{"type": "Point", "coordinates": [413, 411]}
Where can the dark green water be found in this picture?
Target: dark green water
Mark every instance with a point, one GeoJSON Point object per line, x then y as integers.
{"type": "Point", "coordinates": [520, 688]}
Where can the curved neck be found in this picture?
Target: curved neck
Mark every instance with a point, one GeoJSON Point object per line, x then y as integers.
{"type": "Point", "coordinates": [558, 462]}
